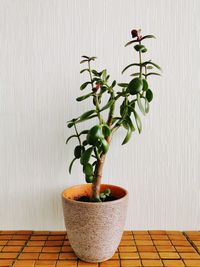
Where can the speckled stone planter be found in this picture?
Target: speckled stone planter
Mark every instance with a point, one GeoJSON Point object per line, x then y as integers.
{"type": "Point", "coordinates": [94, 229]}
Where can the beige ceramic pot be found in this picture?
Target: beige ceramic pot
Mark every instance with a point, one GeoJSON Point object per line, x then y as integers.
{"type": "Point", "coordinates": [94, 229]}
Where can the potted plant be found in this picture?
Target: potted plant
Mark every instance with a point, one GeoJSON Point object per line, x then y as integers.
{"type": "Point", "coordinates": [95, 213]}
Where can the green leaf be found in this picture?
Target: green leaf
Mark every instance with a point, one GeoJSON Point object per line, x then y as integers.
{"type": "Point", "coordinates": [105, 145]}
{"type": "Point", "coordinates": [138, 121]}
{"type": "Point", "coordinates": [146, 63]}
{"type": "Point", "coordinates": [71, 164]}
{"type": "Point", "coordinates": [135, 74]}
{"type": "Point", "coordinates": [149, 95]}
{"type": "Point", "coordinates": [147, 37]}
{"type": "Point", "coordinates": [89, 178]}
{"type": "Point", "coordinates": [128, 136]}
{"type": "Point", "coordinates": [96, 73]}
{"type": "Point", "coordinates": [69, 138]}
{"type": "Point", "coordinates": [124, 85]}
{"type": "Point", "coordinates": [92, 58]}
{"type": "Point", "coordinates": [135, 86]}
{"type": "Point", "coordinates": [87, 114]}
{"type": "Point", "coordinates": [78, 151]}
{"type": "Point", "coordinates": [84, 70]}
{"type": "Point", "coordinates": [113, 84]}
{"type": "Point", "coordinates": [84, 132]}
{"type": "Point", "coordinates": [81, 98]}
{"type": "Point", "coordinates": [146, 106]}
{"type": "Point", "coordinates": [70, 124]}
{"type": "Point", "coordinates": [85, 158]}
{"type": "Point", "coordinates": [88, 169]}
{"type": "Point", "coordinates": [152, 73]}
{"type": "Point", "coordinates": [140, 48]}
{"type": "Point", "coordinates": [84, 85]}
{"type": "Point", "coordinates": [86, 118]}
{"type": "Point", "coordinates": [127, 123]}
{"type": "Point", "coordinates": [140, 104]}
{"type": "Point", "coordinates": [108, 105]}
{"type": "Point", "coordinates": [104, 74]}
{"type": "Point", "coordinates": [85, 57]}
{"type": "Point", "coordinates": [131, 42]}
{"type": "Point", "coordinates": [83, 61]}
{"type": "Point", "coordinates": [145, 85]}
{"type": "Point", "coordinates": [106, 130]}
{"type": "Point", "coordinates": [131, 65]}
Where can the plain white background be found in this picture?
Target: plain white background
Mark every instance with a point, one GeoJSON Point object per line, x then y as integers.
{"type": "Point", "coordinates": [41, 43]}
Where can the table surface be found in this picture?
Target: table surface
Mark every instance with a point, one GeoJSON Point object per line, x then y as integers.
{"type": "Point", "coordinates": [137, 248]}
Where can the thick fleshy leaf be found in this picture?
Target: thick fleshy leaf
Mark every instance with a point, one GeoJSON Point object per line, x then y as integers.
{"type": "Point", "coordinates": [131, 65]}
{"type": "Point", "coordinates": [86, 155]}
{"type": "Point", "coordinates": [104, 74]}
{"type": "Point", "coordinates": [71, 164]}
{"type": "Point", "coordinates": [113, 84]}
{"type": "Point", "coordinates": [69, 138]}
{"type": "Point", "coordinates": [147, 37]}
{"type": "Point", "coordinates": [84, 132]}
{"type": "Point", "coordinates": [70, 124]}
{"type": "Point", "coordinates": [135, 74]}
{"type": "Point", "coordinates": [140, 47]}
{"type": "Point", "coordinates": [149, 95]}
{"type": "Point", "coordinates": [131, 42]}
{"type": "Point", "coordinates": [86, 118]}
{"type": "Point", "coordinates": [108, 105]}
{"type": "Point", "coordinates": [152, 73]}
{"type": "Point", "coordinates": [81, 98]}
{"type": "Point", "coordinates": [84, 85]}
{"type": "Point", "coordinates": [105, 145]}
{"type": "Point", "coordinates": [106, 130]}
{"type": "Point", "coordinates": [135, 86]}
{"type": "Point", "coordinates": [146, 63]}
{"type": "Point", "coordinates": [145, 85]}
{"type": "Point", "coordinates": [85, 57]}
{"type": "Point", "coordinates": [124, 85]}
{"type": "Point", "coordinates": [127, 123]}
{"type": "Point", "coordinates": [88, 169]}
{"type": "Point", "coordinates": [138, 121]}
{"type": "Point", "coordinates": [78, 151]}
{"type": "Point", "coordinates": [83, 61]}
{"type": "Point", "coordinates": [128, 136]}
{"type": "Point", "coordinates": [146, 106]}
{"type": "Point", "coordinates": [87, 114]}
{"type": "Point", "coordinates": [140, 105]}
{"type": "Point", "coordinates": [84, 70]}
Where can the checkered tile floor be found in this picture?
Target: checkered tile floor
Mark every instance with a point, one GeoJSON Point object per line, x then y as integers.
{"type": "Point", "coordinates": [137, 248]}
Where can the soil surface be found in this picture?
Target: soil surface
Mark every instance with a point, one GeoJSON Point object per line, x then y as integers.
{"type": "Point", "coordinates": [87, 199]}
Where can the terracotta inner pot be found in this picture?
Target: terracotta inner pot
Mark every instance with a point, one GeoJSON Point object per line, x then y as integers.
{"type": "Point", "coordinates": [75, 192]}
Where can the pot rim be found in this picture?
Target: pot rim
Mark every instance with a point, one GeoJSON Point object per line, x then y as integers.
{"type": "Point", "coordinates": [95, 203]}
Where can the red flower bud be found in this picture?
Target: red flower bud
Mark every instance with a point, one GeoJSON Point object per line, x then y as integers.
{"type": "Point", "coordinates": [96, 88]}
{"type": "Point", "coordinates": [134, 33]}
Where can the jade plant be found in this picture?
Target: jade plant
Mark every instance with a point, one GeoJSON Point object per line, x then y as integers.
{"type": "Point", "coordinates": [133, 98]}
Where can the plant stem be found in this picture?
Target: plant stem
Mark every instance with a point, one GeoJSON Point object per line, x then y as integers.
{"type": "Point", "coordinates": [140, 59]}
{"type": "Point", "coordinates": [96, 185]}
{"type": "Point", "coordinates": [77, 134]}
{"type": "Point", "coordinates": [96, 97]}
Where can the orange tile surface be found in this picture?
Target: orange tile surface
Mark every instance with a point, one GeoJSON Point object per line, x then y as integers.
{"type": "Point", "coordinates": [155, 248]}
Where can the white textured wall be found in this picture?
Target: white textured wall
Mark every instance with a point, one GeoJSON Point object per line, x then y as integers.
{"type": "Point", "coordinates": [40, 47]}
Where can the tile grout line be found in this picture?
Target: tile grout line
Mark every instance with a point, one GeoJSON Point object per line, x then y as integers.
{"type": "Point", "coordinates": [15, 260]}
{"type": "Point", "coordinates": [156, 247]}
{"type": "Point", "coordinates": [191, 242]}
{"type": "Point", "coordinates": [57, 261]}
{"type": "Point", "coordinates": [176, 249]}
{"type": "Point", "coordinates": [40, 251]}
{"type": "Point", "coordinates": [140, 259]}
